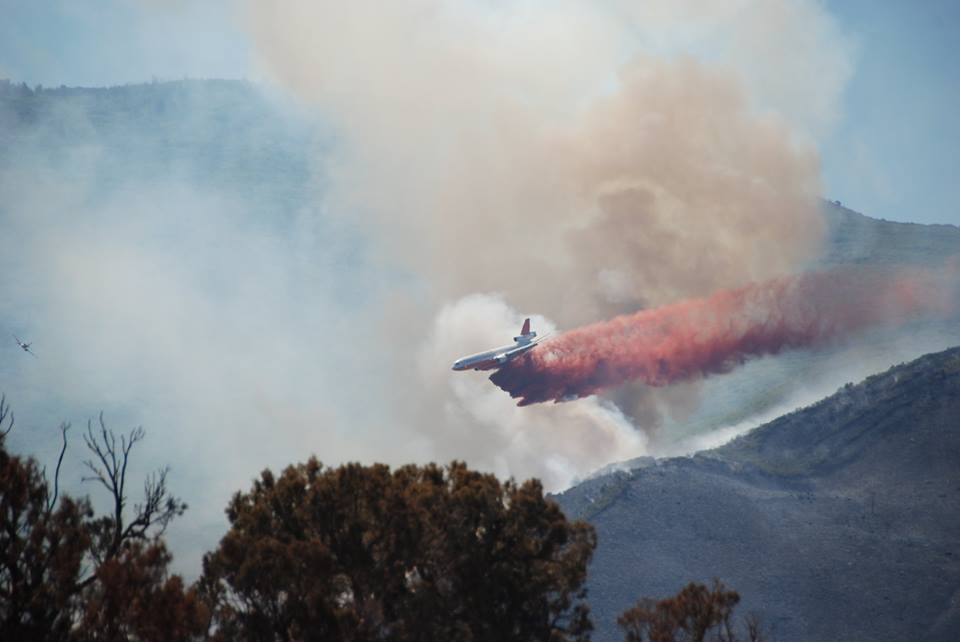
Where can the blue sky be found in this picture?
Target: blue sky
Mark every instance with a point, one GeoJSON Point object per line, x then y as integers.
{"type": "Point", "coordinates": [893, 155]}
{"type": "Point", "coordinates": [890, 155]}
{"type": "Point", "coordinates": [108, 42]}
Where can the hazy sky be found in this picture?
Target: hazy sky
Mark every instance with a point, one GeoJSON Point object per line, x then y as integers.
{"type": "Point", "coordinates": [888, 154]}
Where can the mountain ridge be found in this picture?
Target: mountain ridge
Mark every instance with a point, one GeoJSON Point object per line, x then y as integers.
{"type": "Point", "coordinates": [857, 537]}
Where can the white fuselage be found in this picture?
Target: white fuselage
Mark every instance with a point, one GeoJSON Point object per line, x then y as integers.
{"type": "Point", "coordinates": [493, 359]}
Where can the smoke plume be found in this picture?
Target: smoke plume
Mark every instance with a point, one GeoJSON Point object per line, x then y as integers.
{"type": "Point", "coordinates": [705, 336]}
{"type": "Point", "coordinates": [574, 159]}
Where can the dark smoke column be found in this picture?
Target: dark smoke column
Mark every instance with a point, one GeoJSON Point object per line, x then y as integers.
{"type": "Point", "coordinates": [705, 336]}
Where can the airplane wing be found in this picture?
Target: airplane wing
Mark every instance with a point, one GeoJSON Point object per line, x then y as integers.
{"type": "Point", "coordinates": [520, 349]}
{"type": "Point", "coordinates": [514, 351]}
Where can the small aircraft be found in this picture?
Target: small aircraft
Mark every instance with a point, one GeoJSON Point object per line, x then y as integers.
{"type": "Point", "coordinates": [496, 358]}
{"type": "Point", "coordinates": [24, 346]}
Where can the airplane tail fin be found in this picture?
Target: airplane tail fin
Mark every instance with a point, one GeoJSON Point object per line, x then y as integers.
{"type": "Point", "coordinates": [526, 336]}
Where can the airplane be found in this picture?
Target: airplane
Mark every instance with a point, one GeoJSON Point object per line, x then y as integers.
{"type": "Point", "coordinates": [496, 358]}
{"type": "Point", "coordinates": [24, 346]}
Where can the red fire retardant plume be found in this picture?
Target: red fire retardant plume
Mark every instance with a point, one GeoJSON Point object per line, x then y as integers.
{"type": "Point", "coordinates": [712, 335]}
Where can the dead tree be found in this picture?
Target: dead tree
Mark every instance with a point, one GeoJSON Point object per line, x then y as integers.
{"type": "Point", "coordinates": [109, 468]}
{"type": "Point", "coordinates": [66, 573]}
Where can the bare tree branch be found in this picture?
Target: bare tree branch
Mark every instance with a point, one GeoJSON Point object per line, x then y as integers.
{"type": "Point", "coordinates": [64, 427]}
{"type": "Point", "coordinates": [4, 411]}
{"type": "Point", "coordinates": [755, 631]}
{"type": "Point", "coordinates": [109, 468]}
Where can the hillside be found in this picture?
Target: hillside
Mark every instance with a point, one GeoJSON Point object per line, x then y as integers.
{"type": "Point", "coordinates": [838, 521]}
{"type": "Point", "coordinates": [857, 239]}
{"type": "Point", "coordinates": [215, 135]}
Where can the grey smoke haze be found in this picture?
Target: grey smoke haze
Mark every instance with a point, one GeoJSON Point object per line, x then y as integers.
{"type": "Point", "coordinates": [221, 314]}
{"type": "Point", "coordinates": [483, 161]}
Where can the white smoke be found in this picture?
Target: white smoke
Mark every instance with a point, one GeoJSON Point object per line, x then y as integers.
{"type": "Point", "coordinates": [474, 419]}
